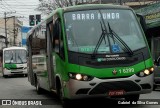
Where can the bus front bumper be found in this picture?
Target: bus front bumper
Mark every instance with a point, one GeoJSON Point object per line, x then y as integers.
{"type": "Point", "coordinates": [15, 72]}
{"type": "Point", "coordinates": [74, 89]}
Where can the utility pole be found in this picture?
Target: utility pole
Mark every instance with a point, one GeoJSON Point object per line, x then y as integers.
{"type": "Point", "coordinates": [14, 30]}
{"type": "Point", "coordinates": [6, 39]}
{"type": "Point", "coordinates": [5, 18]}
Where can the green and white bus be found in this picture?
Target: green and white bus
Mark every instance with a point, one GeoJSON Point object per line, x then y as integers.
{"type": "Point", "coordinates": [14, 61]}
{"type": "Point", "coordinates": [90, 51]}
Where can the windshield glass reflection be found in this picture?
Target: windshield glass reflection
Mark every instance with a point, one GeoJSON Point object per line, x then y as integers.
{"type": "Point", "coordinates": [15, 56]}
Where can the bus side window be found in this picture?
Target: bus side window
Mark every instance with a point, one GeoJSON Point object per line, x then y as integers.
{"type": "Point", "coordinates": [58, 39]}
{"type": "Point", "coordinates": [61, 43]}
{"type": "Point", "coordinates": [62, 47]}
{"type": "Point", "coordinates": [56, 45]}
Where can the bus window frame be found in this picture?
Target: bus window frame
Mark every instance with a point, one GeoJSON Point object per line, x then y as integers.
{"type": "Point", "coordinates": [58, 41]}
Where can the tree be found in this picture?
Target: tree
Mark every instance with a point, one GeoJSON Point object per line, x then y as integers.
{"type": "Point", "coordinates": [47, 6]}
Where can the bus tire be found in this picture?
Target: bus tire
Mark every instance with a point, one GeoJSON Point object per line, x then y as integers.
{"type": "Point", "coordinates": [38, 88]}
{"type": "Point", "coordinates": [59, 90]}
{"type": "Point", "coordinates": [5, 76]}
{"type": "Point", "coordinates": [132, 97]}
{"type": "Point", "coordinates": [65, 102]}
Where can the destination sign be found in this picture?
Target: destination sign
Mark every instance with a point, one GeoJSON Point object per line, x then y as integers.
{"type": "Point", "coordinates": [93, 16]}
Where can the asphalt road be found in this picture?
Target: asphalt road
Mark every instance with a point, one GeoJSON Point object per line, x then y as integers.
{"type": "Point", "coordinates": [19, 88]}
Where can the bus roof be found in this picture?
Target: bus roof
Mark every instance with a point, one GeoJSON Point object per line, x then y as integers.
{"type": "Point", "coordinates": [94, 6]}
{"type": "Point", "coordinates": [14, 47]}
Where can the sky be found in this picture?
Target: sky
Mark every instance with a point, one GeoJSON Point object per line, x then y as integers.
{"type": "Point", "coordinates": [23, 9]}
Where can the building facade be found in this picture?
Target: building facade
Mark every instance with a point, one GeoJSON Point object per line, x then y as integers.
{"type": "Point", "coordinates": [24, 31]}
{"type": "Point", "coordinates": [151, 14]}
{"type": "Point", "coordinates": [12, 31]}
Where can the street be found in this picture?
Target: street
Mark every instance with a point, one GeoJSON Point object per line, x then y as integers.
{"type": "Point", "coordinates": [20, 88]}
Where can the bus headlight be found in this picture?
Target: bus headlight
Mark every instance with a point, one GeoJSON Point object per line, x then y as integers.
{"type": "Point", "coordinates": [146, 72]}
{"type": "Point", "coordinates": [152, 69]}
{"type": "Point", "coordinates": [25, 68]}
{"type": "Point", "coordinates": [80, 77]}
{"type": "Point", "coordinates": [5, 69]}
{"type": "Point", "coordinates": [141, 74]}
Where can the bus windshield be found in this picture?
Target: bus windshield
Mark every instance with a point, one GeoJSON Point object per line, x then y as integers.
{"type": "Point", "coordinates": [84, 29]}
{"type": "Point", "coordinates": [15, 56]}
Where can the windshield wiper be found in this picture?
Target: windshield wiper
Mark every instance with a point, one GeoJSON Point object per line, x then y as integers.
{"type": "Point", "coordinates": [20, 58]}
{"type": "Point", "coordinates": [104, 33]}
{"type": "Point", "coordinates": [11, 59]}
{"type": "Point", "coordinates": [111, 34]}
{"type": "Point", "coordinates": [102, 37]}
{"type": "Point", "coordinates": [120, 41]}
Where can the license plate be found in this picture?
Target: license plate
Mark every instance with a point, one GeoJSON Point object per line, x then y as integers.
{"type": "Point", "coordinates": [17, 72]}
{"type": "Point", "coordinates": [116, 92]}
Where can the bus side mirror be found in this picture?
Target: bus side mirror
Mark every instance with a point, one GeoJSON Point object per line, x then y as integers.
{"type": "Point", "coordinates": [142, 22]}
{"type": "Point", "coordinates": [27, 54]}
{"type": "Point", "coordinates": [155, 62]}
{"type": "Point", "coordinates": [56, 49]}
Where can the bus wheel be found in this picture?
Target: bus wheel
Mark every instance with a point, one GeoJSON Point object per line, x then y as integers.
{"type": "Point", "coordinates": [132, 97]}
{"type": "Point", "coordinates": [64, 102]}
{"type": "Point", "coordinates": [38, 88]}
{"type": "Point", "coordinates": [5, 76]}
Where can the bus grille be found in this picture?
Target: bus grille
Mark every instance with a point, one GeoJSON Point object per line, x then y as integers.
{"type": "Point", "coordinates": [104, 87]}
{"type": "Point", "coordinates": [17, 68]}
